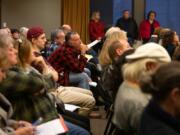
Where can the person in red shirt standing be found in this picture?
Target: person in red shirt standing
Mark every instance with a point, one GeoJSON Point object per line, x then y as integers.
{"type": "Point", "coordinates": [148, 26]}
{"type": "Point", "coordinates": [96, 28]}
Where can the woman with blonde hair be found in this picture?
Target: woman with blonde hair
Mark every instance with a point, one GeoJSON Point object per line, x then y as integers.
{"type": "Point", "coordinates": [113, 34]}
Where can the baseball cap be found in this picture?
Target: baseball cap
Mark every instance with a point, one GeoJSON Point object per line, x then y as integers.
{"type": "Point", "coordinates": [34, 32]}
{"type": "Point", "coordinates": [150, 50]}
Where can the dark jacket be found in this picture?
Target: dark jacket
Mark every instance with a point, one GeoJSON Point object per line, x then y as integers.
{"type": "Point", "coordinates": [170, 49]}
{"type": "Point", "coordinates": [155, 121]}
{"type": "Point", "coordinates": [112, 75]}
{"type": "Point", "coordinates": [128, 25]}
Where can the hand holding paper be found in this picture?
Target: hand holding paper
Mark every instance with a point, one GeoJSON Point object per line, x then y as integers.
{"type": "Point", "coordinates": [93, 43]}
{"type": "Point", "coordinates": [53, 127]}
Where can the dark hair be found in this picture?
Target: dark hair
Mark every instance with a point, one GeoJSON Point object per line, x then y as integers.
{"type": "Point", "coordinates": [14, 31]}
{"type": "Point", "coordinates": [168, 38]}
{"type": "Point", "coordinates": [162, 82]}
{"type": "Point", "coordinates": [125, 11]}
{"type": "Point", "coordinates": [149, 13]}
{"type": "Point", "coordinates": [69, 35]}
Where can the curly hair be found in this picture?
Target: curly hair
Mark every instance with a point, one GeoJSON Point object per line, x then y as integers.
{"type": "Point", "coordinates": [151, 12]}
{"type": "Point", "coordinates": [168, 38]}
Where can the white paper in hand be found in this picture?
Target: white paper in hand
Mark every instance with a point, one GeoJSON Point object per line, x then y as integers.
{"type": "Point", "coordinates": [53, 127]}
{"type": "Point", "coordinates": [93, 43]}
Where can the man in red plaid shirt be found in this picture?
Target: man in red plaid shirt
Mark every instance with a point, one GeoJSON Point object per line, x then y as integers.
{"type": "Point", "coordinates": [69, 61]}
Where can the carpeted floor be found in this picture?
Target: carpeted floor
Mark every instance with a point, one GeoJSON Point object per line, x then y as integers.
{"type": "Point", "coordinates": [98, 125]}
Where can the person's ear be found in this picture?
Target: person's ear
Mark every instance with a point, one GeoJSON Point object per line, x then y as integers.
{"type": "Point", "coordinates": [150, 65]}
{"type": "Point", "coordinates": [175, 95]}
{"type": "Point", "coordinates": [119, 51]}
{"type": "Point", "coordinates": [33, 40]}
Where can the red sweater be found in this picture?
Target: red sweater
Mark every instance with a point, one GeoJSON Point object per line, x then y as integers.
{"type": "Point", "coordinates": [66, 59]}
{"type": "Point", "coordinates": [145, 28]}
{"type": "Point", "coordinates": [96, 30]}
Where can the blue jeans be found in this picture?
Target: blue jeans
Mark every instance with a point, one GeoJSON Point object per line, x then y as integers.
{"type": "Point", "coordinates": [76, 130]}
{"type": "Point", "coordinates": [80, 79]}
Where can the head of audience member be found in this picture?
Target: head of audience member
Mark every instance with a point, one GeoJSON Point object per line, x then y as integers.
{"type": "Point", "coordinates": [8, 55]}
{"type": "Point", "coordinates": [151, 15]}
{"type": "Point", "coordinates": [144, 60]}
{"type": "Point", "coordinates": [5, 31]}
{"type": "Point", "coordinates": [126, 14]}
{"type": "Point", "coordinates": [96, 16]}
{"type": "Point", "coordinates": [117, 48]}
{"type": "Point", "coordinates": [23, 32]}
{"type": "Point", "coordinates": [15, 34]}
{"type": "Point", "coordinates": [66, 28]}
{"type": "Point", "coordinates": [25, 56]}
{"type": "Point", "coordinates": [164, 86]}
{"type": "Point", "coordinates": [113, 34]}
{"type": "Point", "coordinates": [37, 37]}
{"type": "Point", "coordinates": [170, 38]}
{"type": "Point", "coordinates": [73, 39]}
{"type": "Point", "coordinates": [58, 37]}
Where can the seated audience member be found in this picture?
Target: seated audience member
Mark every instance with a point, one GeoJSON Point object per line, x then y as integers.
{"type": "Point", "coordinates": [170, 41]}
{"type": "Point", "coordinates": [69, 95]}
{"type": "Point", "coordinates": [96, 29]}
{"type": "Point", "coordinates": [69, 61]}
{"type": "Point", "coordinates": [112, 76]}
{"type": "Point", "coordinates": [57, 40]}
{"type": "Point", "coordinates": [161, 34]}
{"type": "Point", "coordinates": [161, 116]}
{"type": "Point", "coordinates": [130, 101]}
{"type": "Point", "coordinates": [15, 34]}
{"type": "Point", "coordinates": [8, 57]}
{"type": "Point", "coordinates": [158, 35]}
{"type": "Point", "coordinates": [5, 31]}
{"type": "Point", "coordinates": [29, 96]}
{"type": "Point", "coordinates": [23, 32]}
{"type": "Point", "coordinates": [176, 54]}
{"type": "Point", "coordinates": [148, 26]}
{"type": "Point", "coordinates": [66, 28]}
{"type": "Point", "coordinates": [155, 37]}
{"type": "Point", "coordinates": [128, 24]}
{"type": "Point", "coordinates": [113, 34]}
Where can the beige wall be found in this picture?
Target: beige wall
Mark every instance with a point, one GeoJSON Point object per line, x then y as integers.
{"type": "Point", "coordinates": [45, 13]}
{"type": "Point", "coordinates": [139, 10]}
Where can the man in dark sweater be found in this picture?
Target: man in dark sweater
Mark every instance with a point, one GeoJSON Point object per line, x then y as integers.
{"type": "Point", "coordinates": [129, 25]}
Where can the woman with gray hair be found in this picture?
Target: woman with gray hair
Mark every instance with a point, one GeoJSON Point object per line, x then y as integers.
{"type": "Point", "coordinates": [130, 101]}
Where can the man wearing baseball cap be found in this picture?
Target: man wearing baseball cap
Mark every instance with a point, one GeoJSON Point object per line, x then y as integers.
{"type": "Point", "coordinates": [130, 100]}
{"type": "Point", "coordinates": [36, 36]}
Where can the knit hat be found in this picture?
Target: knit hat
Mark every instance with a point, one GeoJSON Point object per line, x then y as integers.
{"type": "Point", "coordinates": [34, 32]}
{"type": "Point", "coordinates": [150, 50]}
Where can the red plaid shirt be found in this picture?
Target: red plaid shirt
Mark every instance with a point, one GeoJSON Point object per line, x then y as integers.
{"type": "Point", "coordinates": [67, 59]}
